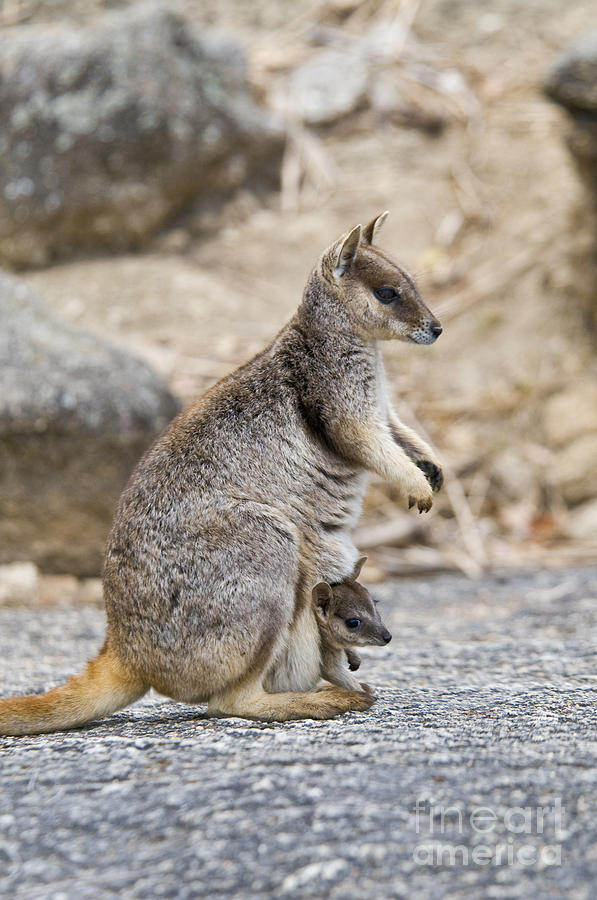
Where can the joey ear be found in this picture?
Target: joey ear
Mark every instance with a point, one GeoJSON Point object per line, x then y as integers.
{"type": "Point", "coordinates": [357, 568]}
{"type": "Point", "coordinates": [371, 230]}
{"type": "Point", "coordinates": [338, 258]}
{"type": "Point", "coordinates": [323, 597]}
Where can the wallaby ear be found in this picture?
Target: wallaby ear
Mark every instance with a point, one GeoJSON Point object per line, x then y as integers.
{"type": "Point", "coordinates": [338, 258]}
{"type": "Point", "coordinates": [371, 230]}
{"type": "Point", "coordinates": [323, 597]}
{"type": "Point", "coordinates": [357, 568]}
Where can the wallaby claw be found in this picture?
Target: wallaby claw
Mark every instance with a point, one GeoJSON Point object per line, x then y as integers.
{"type": "Point", "coordinates": [423, 505]}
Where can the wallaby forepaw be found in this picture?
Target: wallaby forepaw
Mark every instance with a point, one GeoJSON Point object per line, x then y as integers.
{"type": "Point", "coordinates": [423, 505]}
{"type": "Point", "coordinates": [432, 472]}
{"type": "Point", "coordinates": [354, 660]}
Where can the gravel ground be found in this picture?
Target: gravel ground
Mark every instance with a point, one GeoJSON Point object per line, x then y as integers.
{"type": "Point", "coordinates": [473, 776]}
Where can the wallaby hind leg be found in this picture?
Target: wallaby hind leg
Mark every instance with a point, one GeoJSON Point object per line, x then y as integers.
{"type": "Point", "coordinates": [252, 702]}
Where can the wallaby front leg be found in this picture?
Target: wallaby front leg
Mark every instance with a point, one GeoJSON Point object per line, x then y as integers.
{"type": "Point", "coordinates": [354, 660]}
{"type": "Point", "coordinates": [334, 670]}
{"type": "Point", "coordinates": [418, 450]}
{"type": "Point", "coordinates": [372, 445]}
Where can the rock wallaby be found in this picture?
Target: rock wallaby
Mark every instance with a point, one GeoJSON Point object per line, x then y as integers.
{"type": "Point", "coordinates": [247, 501]}
{"type": "Point", "coordinates": [347, 618]}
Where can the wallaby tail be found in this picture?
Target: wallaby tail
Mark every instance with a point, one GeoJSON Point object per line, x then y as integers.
{"type": "Point", "coordinates": [105, 686]}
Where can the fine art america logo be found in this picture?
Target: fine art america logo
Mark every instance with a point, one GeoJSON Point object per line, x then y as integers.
{"type": "Point", "coordinates": [511, 836]}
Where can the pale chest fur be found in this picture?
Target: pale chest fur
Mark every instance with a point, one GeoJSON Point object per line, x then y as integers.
{"type": "Point", "coordinates": [297, 666]}
{"type": "Point", "coordinates": [382, 398]}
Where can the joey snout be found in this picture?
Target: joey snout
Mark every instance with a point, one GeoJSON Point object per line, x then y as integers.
{"type": "Point", "coordinates": [383, 637]}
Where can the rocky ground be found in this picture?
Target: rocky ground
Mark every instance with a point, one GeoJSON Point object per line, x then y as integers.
{"type": "Point", "coordinates": [474, 774]}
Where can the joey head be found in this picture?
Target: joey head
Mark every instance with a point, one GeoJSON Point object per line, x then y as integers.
{"type": "Point", "coordinates": [347, 617]}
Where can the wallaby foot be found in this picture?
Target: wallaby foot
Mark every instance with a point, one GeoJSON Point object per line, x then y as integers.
{"type": "Point", "coordinates": [257, 704]}
{"type": "Point", "coordinates": [362, 688]}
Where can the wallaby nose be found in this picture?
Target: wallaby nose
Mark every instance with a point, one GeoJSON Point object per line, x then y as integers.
{"type": "Point", "coordinates": [387, 637]}
{"type": "Point", "coordinates": [436, 330]}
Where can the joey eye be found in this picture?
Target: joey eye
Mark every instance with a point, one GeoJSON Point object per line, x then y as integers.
{"type": "Point", "coordinates": [386, 294]}
{"type": "Point", "coordinates": [352, 623]}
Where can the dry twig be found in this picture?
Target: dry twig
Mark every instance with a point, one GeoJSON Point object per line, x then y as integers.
{"type": "Point", "coordinates": [476, 557]}
{"type": "Point", "coordinates": [305, 160]}
{"type": "Point", "coordinates": [394, 532]}
{"type": "Point", "coordinates": [414, 561]}
{"type": "Point", "coordinates": [490, 280]}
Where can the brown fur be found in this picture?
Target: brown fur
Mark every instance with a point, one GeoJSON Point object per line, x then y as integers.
{"type": "Point", "coordinates": [247, 501]}
{"type": "Point", "coordinates": [105, 686]}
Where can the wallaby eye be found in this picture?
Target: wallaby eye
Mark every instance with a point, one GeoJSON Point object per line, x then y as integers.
{"type": "Point", "coordinates": [385, 294]}
{"type": "Point", "coordinates": [352, 623]}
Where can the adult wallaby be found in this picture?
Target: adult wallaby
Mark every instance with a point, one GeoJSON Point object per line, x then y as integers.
{"type": "Point", "coordinates": [248, 500]}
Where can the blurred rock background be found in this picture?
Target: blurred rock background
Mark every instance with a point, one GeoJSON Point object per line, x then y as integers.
{"type": "Point", "coordinates": [170, 173]}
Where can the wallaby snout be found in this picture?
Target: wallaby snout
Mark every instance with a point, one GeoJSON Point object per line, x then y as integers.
{"type": "Point", "coordinates": [427, 333]}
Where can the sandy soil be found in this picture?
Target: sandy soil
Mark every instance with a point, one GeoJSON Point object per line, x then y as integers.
{"type": "Point", "coordinates": [489, 215]}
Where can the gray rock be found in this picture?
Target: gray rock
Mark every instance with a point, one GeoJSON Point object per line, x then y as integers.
{"type": "Point", "coordinates": [109, 130]}
{"type": "Point", "coordinates": [18, 582]}
{"type": "Point", "coordinates": [329, 85]}
{"type": "Point", "coordinates": [75, 415]}
{"type": "Point", "coordinates": [572, 80]}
